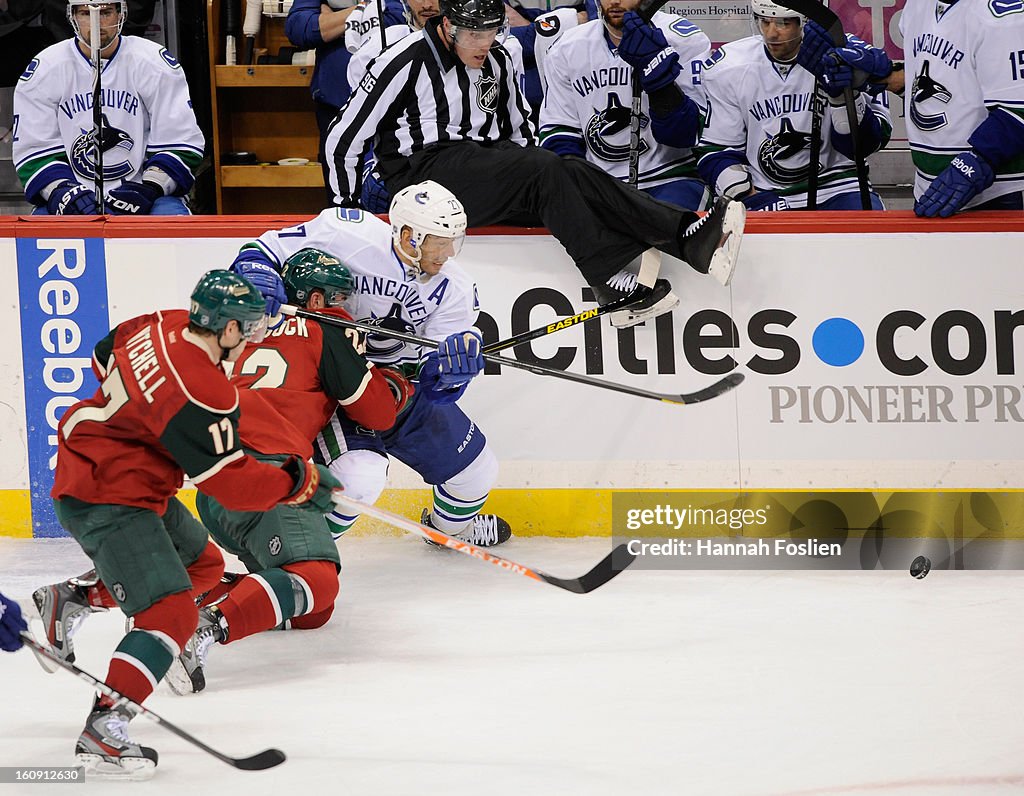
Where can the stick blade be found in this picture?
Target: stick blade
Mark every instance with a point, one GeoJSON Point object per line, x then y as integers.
{"type": "Point", "coordinates": [268, 758]}
{"type": "Point", "coordinates": [720, 387]}
{"type": "Point", "coordinates": [617, 561]}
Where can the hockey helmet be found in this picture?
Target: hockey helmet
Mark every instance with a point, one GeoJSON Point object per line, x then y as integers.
{"type": "Point", "coordinates": [221, 296]}
{"type": "Point", "coordinates": [771, 10]}
{"type": "Point", "coordinates": [427, 208]}
{"type": "Point", "coordinates": [310, 270]}
{"type": "Point", "coordinates": [474, 14]}
{"type": "Point", "coordinates": [83, 35]}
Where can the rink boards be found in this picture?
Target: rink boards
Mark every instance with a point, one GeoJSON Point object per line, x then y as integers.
{"type": "Point", "coordinates": [881, 353]}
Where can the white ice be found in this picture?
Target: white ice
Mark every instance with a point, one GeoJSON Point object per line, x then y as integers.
{"type": "Point", "coordinates": [440, 674]}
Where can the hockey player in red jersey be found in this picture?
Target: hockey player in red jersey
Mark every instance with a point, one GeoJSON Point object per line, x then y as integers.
{"type": "Point", "coordinates": [164, 407]}
{"type": "Point", "coordinates": [304, 370]}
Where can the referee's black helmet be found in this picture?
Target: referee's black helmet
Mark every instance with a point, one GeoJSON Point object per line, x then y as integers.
{"type": "Point", "coordinates": [474, 14]}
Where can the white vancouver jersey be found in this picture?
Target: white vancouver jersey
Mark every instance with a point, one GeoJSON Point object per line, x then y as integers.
{"type": "Point", "coordinates": [362, 26]}
{"type": "Point", "coordinates": [441, 305]}
{"type": "Point", "coordinates": [146, 110]}
{"type": "Point", "coordinates": [763, 109]}
{"type": "Point", "coordinates": [587, 94]}
{"type": "Point", "coordinates": [961, 60]}
{"type": "Point", "coordinates": [368, 46]}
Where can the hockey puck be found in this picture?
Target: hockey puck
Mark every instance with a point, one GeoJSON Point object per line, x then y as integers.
{"type": "Point", "coordinates": [920, 567]}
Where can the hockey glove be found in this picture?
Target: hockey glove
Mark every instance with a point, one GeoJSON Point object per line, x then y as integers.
{"type": "Point", "coordinates": [765, 200]}
{"type": "Point", "coordinates": [460, 357]}
{"type": "Point", "coordinates": [71, 199]}
{"type": "Point", "coordinates": [314, 485]}
{"type": "Point", "coordinates": [964, 178]}
{"type": "Point", "coordinates": [264, 278]}
{"type": "Point", "coordinates": [134, 198]}
{"type": "Point", "coordinates": [815, 46]}
{"type": "Point", "coordinates": [401, 388]}
{"type": "Point", "coordinates": [430, 387]}
{"type": "Point", "coordinates": [854, 66]}
{"type": "Point", "coordinates": [380, 346]}
{"type": "Point", "coordinates": [374, 196]}
{"type": "Point", "coordinates": [645, 48]}
{"type": "Point", "coordinates": [11, 625]}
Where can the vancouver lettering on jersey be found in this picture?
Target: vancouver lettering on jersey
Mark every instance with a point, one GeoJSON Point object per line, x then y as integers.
{"type": "Point", "coordinates": [930, 44]}
{"type": "Point", "coordinates": [111, 98]}
{"type": "Point", "coordinates": [781, 105]}
{"type": "Point", "coordinates": [602, 78]}
{"type": "Point", "coordinates": [404, 293]}
{"type": "Point", "coordinates": [145, 366]}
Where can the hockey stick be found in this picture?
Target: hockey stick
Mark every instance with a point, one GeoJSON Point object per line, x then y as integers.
{"type": "Point", "coordinates": [251, 29]}
{"type": "Point", "coordinates": [650, 265]}
{"type": "Point", "coordinates": [380, 24]}
{"type": "Point", "coordinates": [605, 569]}
{"type": "Point", "coordinates": [97, 109]}
{"type": "Point", "coordinates": [268, 758]}
{"type": "Point", "coordinates": [646, 10]}
{"type": "Point", "coordinates": [815, 164]}
{"type": "Point", "coordinates": [827, 18]}
{"type": "Point", "coordinates": [713, 391]}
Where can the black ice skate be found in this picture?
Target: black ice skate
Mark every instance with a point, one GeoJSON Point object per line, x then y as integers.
{"type": "Point", "coordinates": [488, 530]}
{"type": "Point", "coordinates": [650, 302]}
{"type": "Point", "coordinates": [106, 751]}
{"type": "Point", "coordinates": [63, 607]}
{"type": "Point", "coordinates": [711, 244]}
{"type": "Point", "coordinates": [187, 674]}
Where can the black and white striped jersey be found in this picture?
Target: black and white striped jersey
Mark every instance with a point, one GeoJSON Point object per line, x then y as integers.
{"type": "Point", "coordinates": [417, 94]}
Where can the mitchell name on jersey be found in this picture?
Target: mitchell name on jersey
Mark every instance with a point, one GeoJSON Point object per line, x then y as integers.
{"type": "Point", "coordinates": [588, 95]}
{"type": "Point", "coordinates": [764, 109]}
{"type": "Point", "coordinates": [436, 307]}
{"type": "Point", "coordinates": [146, 112]}
{"type": "Point", "coordinates": [962, 60]}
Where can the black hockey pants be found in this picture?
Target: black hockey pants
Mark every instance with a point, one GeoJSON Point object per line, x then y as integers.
{"type": "Point", "coordinates": [602, 222]}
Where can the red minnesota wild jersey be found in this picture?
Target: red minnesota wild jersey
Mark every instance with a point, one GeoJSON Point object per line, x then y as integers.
{"type": "Point", "coordinates": [306, 369]}
{"type": "Point", "coordinates": [164, 408]}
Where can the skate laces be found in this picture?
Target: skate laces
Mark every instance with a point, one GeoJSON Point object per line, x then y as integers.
{"type": "Point", "coordinates": [205, 638]}
{"type": "Point", "coordinates": [115, 726]}
{"type": "Point", "coordinates": [623, 281]}
{"type": "Point", "coordinates": [74, 621]}
{"type": "Point", "coordinates": [485, 529]}
{"type": "Point", "coordinates": [695, 227]}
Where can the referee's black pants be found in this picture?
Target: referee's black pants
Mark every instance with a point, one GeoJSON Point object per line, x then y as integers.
{"type": "Point", "coordinates": [602, 222]}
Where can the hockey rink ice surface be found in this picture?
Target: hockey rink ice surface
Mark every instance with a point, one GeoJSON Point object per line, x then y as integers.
{"type": "Point", "coordinates": [442, 674]}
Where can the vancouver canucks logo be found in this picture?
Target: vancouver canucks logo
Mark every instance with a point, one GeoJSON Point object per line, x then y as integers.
{"type": "Point", "coordinates": [487, 93]}
{"type": "Point", "coordinates": [925, 88]}
{"type": "Point", "coordinates": [784, 146]}
{"type": "Point", "coordinates": [116, 146]}
{"type": "Point", "coordinates": [607, 124]}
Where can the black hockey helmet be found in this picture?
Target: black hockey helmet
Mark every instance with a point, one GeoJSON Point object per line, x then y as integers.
{"type": "Point", "coordinates": [474, 14]}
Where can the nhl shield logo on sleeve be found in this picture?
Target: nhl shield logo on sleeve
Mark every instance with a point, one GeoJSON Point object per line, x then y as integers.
{"type": "Point", "coordinates": [487, 93]}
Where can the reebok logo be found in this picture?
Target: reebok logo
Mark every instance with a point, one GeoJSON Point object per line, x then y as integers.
{"type": "Point", "coordinates": [962, 167]}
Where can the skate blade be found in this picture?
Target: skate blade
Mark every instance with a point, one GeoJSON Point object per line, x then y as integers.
{"type": "Point", "coordinates": [38, 629]}
{"type": "Point", "coordinates": [132, 769]}
{"type": "Point", "coordinates": [623, 319]}
{"type": "Point", "coordinates": [178, 681]}
{"type": "Point", "coordinates": [725, 258]}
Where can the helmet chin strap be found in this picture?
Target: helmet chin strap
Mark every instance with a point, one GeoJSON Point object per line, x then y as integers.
{"type": "Point", "coordinates": [225, 351]}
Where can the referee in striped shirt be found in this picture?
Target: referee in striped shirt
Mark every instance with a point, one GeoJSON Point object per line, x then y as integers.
{"type": "Point", "coordinates": [444, 104]}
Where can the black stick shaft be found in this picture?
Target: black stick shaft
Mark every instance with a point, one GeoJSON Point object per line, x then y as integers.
{"type": "Point", "coordinates": [268, 758]}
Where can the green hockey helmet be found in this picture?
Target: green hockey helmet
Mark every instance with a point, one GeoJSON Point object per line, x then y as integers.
{"type": "Point", "coordinates": [221, 296]}
{"type": "Point", "coordinates": [310, 270]}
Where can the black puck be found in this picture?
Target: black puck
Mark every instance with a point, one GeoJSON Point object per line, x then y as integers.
{"type": "Point", "coordinates": [920, 567]}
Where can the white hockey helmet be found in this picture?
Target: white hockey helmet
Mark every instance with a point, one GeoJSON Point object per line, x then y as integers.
{"type": "Point", "coordinates": [427, 208]}
{"type": "Point", "coordinates": [771, 10]}
{"type": "Point", "coordinates": [83, 36]}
